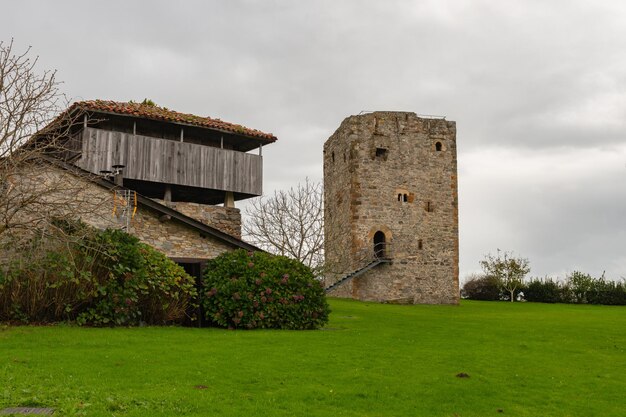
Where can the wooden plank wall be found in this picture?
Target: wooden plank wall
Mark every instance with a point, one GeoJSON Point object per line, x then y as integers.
{"type": "Point", "coordinates": [160, 160]}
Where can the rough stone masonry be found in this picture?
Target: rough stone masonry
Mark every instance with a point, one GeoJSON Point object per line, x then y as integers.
{"type": "Point", "coordinates": [391, 178]}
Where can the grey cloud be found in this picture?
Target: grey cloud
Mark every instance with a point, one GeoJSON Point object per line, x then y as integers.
{"type": "Point", "coordinates": [528, 77]}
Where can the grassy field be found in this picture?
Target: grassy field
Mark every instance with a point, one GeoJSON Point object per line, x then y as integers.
{"type": "Point", "coordinates": [522, 359]}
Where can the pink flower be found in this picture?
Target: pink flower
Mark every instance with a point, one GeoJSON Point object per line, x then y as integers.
{"type": "Point", "coordinates": [268, 291]}
{"type": "Point", "coordinates": [250, 264]}
{"type": "Point", "coordinates": [240, 314]}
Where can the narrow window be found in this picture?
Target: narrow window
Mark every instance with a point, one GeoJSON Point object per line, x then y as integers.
{"type": "Point", "coordinates": [399, 197]}
{"type": "Point", "coordinates": [438, 146]}
{"type": "Point", "coordinates": [332, 155]}
{"type": "Point", "coordinates": [420, 245]}
{"type": "Point", "coordinates": [344, 157]}
{"type": "Point", "coordinates": [381, 153]}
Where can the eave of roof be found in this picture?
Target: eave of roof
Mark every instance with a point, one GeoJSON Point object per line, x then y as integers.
{"type": "Point", "coordinates": [164, 114]}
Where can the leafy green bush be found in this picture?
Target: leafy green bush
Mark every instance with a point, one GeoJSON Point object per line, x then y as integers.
{"type": "Point", "coordinates": [252, 290]}
{"type": "Point", "coordinates": [97, 278]}
{"type": "Point", "coordinates": [136, 284]}
{"type": "Point", "coordinates": [482, 287]}
{"type": "Point", "coordinates": [170, 291]}
{"type": "Point", "coordinates": [545, 291]}
{"type": "Point", "coordinates": [53, 285]}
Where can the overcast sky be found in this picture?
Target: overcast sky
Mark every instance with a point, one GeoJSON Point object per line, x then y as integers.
{"type": "Point", "coordinates": [537, 88]}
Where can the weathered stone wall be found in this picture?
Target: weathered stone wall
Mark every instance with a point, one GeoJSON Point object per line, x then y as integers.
{"type": "Point", "coordinates": [396, 173]}
{"type": "Point", "coordinates": [67, 194]}
{"type": "Point", "coordinates": [173, 238]}
{"type": "Point", "coordinates": [225, 219]}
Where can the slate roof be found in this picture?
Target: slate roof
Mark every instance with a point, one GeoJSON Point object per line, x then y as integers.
{"type": "Point", "coordinates": [164, 114]}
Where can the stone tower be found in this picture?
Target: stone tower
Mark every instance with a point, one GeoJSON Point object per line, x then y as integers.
{"type": "Point", "coordinates": [391, 209]}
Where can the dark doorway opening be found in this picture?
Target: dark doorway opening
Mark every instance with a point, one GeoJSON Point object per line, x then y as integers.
{"type": "Point", "coordinates": [195, 268]}
{"type": "Point", "coordinates": [379, 244]}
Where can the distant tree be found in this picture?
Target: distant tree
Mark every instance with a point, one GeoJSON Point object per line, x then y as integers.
{"type": "Point", "coordinates": [289, 223]}
{"type": "Point", "coordinates": [580, 284]}
{"type": "Point", "coordinates": [507, 269]}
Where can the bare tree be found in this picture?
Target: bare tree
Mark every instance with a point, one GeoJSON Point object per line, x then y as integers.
{"type": "Point", "coordinates": [289, 223]}
{"type": "Point", "coordinates": [507, 269]}
{"type": "Point", "coordinates": [31, 192]}
{"type": "Point", "coordinates": [28, 99]}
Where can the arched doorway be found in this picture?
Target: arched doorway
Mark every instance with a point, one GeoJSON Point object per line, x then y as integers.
{"type": "Point", "coordinates": [379, 244]}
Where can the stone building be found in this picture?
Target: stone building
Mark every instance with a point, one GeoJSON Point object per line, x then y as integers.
{"type": "Point", "coordinates": [391, 209]}
{"type": "Point", "coordinates": [171, 179]}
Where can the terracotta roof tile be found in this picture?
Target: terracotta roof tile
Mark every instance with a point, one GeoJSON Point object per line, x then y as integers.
{"type": "Point", "coordinates": [167, 115]}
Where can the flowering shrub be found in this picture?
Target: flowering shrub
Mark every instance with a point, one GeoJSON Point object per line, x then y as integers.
{"type": "Point", "coordinates": [251, 290]}
{"type": "Point", "coordinates": [97, 278]}
{"type": "Point", "coordinates": [136, 283]}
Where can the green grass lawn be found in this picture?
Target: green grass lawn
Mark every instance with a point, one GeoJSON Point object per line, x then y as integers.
{"type": "Point", "coordinates": [524, 359]}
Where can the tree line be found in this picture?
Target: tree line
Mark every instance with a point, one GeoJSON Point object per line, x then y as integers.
{"type": "Point", "coordinates": [504, 279]}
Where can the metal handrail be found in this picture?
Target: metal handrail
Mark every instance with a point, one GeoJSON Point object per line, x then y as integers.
{"type": "Point", "coordinates": [381, 251]}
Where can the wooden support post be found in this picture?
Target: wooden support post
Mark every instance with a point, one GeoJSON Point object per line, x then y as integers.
{"type": "Point", "coordinates": [229, 199]}
{"type": "Point", "coordinates": [168, 194]}
{"type": "Point", "coordinates": [134, 128]}
{"type": "Point", "coordinates": [260, 150]}
{"type": "Point", "coordinates": [85, 120]}
{"type": "Point", "coordinates": [181, 134]}
{"type": "Point", "coordinates": [222, 142]}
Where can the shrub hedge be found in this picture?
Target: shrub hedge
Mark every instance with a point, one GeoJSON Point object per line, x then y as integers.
{"type": "Point", "coordinates": [99, 278]}
{"type": "Point", "coordinates": [482, 287]}
{"type": "Point", "coordinates": [544, 291]}
{"type": "Point", "coordinates": [253, 290]}
{"type": "Point", "coordinates": [577, 288]}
